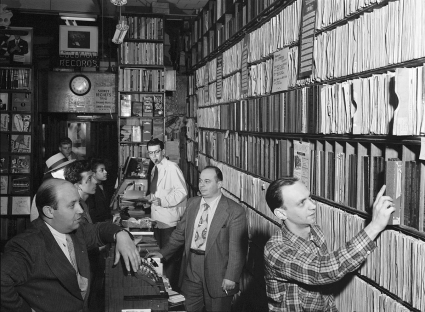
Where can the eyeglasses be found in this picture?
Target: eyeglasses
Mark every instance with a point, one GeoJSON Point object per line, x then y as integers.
{"type": "Point", "coordinates": [157, 152]}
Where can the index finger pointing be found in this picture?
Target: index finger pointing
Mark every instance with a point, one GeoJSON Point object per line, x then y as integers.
{"type": "Point", "coordinates": [381, 192]}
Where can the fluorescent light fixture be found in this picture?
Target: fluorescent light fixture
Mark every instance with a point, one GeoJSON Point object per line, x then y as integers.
{"type": "Point", "coordinates": [78, 17]}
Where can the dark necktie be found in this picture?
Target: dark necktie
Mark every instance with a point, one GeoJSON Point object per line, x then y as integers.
{"type": "Point", "coordinates": [154, 181]}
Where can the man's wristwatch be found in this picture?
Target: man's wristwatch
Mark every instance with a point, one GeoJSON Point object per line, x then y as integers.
{"type": "Point", "coordinates": [115, 235]}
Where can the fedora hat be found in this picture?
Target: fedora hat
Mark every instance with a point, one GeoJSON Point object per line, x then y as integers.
{"type": "Point", "coordinates": [56, 162]}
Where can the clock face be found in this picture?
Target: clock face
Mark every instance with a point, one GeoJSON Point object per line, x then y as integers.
{"type": "Point", "coordinates": [80, 85]}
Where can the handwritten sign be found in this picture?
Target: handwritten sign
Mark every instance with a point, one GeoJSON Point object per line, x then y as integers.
{"type": "Point", "coordinates": [280, 70]}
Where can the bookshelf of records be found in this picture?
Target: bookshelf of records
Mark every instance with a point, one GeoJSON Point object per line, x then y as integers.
{"type": "Point", "coordinates": [333, 94]}
{"type": "Point", "coordinates": [16, 156]}
{"type": "Point", "coordinates": [189, 141]}
{"type": "Point", "coordinates": [141, 76]}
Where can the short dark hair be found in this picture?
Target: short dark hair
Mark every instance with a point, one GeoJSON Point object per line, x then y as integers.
{"type": "Point", "coordinates": [274, 194]}
{"type": "Point", "coordinates": [217, 170]}
{"type": "Point", "coordinates": [74, 170]}
{"type": "Point", "coordinates": [96, 162]}
{"type": "Point", "coordinates": [46, 195]}
{"type": "Point", "coordinates": [65, 140]}
{"type": "Point", "coordinates": [155, 142]}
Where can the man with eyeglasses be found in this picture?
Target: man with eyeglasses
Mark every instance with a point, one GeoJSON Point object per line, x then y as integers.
{"type": "Point", "coordinates": [168, 198]}
{"type": "Point", "coordinates": [298, 265]}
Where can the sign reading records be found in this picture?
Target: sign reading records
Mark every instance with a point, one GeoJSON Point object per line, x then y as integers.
{"type": "Point", "coordinates": [78, 46]}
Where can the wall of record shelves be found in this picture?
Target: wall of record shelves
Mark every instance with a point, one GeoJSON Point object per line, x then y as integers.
{"type": "Point", "coordinates": [16, 155]}
{"type": "Point", "coordinates": [360, 113]}
{"type": "Point", "coordinates": [141, 85]}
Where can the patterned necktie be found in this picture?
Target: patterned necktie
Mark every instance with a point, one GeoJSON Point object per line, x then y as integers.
{"type": "Point", "coordinates": [82, 281]}
{"type": "Point", "coordinates": [201, 230]}
{"type": "Point", "coordinates": [154, 181]}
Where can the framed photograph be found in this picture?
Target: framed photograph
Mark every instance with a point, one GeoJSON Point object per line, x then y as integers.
{"type": "Point", "coordinates": [78, 39]}
{"type": "Point", "coordinates": [16, 45]}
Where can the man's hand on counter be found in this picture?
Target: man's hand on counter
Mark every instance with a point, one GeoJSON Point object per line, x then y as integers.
{"type": "Point", "coordinates": [126, 248]}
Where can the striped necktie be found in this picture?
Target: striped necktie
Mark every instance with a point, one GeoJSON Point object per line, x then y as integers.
{"type": "Point", "coordinates": [82, 281]}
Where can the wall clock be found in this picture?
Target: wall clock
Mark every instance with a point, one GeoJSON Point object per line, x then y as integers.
{"type": "Point", "coordinates": [80, 85]}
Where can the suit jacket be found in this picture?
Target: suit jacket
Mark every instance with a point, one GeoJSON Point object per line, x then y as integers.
{"type": "Point", "coordinates": [98, 205]}
{"type": "Point", "coordinates": [23, 46]}
{"type": "Point", "coordinates": [35, 273]}
{"type": "Point", "coordinates": [226, 247]}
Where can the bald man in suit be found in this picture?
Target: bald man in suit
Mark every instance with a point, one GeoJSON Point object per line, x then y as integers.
{"type": "Point", "coordinates": [46, 268]}
{"type": "Point", "coordinates": [213, 232]}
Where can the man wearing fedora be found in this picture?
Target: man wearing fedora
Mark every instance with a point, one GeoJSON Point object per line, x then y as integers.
{"type": "Point", "coordinates": [55, 169]}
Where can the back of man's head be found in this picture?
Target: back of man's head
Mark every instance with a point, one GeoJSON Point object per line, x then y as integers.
{"type": "Point", "coordinates": [47, 194]}
{"type": "Point", "coordinates": [74, 170]}
{"type": "Point", "coordinates": [274, 197]}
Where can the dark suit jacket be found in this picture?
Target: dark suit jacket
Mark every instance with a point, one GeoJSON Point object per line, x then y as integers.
{"type": "Point", "coordinates": [226, 247]}
{"type": "Point", "coordinates": [23, 46]}
{"type": "Point", "coordinates": [35, 273]}
{"type": "Point", "coordinates": [98, 204]}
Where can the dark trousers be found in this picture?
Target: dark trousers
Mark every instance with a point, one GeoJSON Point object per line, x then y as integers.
{"type": "Point", "coordinates": [171, 267]}
{"type": "Point", "coordinates": [195, 290]}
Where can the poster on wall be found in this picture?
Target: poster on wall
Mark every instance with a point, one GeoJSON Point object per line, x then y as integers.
{"type": "Point", "coordinates": [104, 100]}
{"type": "Point", "coordinates": [16, 45]}
{"type": "Point", "coordinates": [77, 132]}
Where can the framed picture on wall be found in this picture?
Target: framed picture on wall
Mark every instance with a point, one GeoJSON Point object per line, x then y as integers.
{"type": "Point", "coordinates": [16, 45]}
{"type": "Point", "coordinates": [78, 39]}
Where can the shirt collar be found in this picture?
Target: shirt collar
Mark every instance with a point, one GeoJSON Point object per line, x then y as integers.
{"type": "Point", "coordinates": [314, 237]}
{"type": "Point", "coordinates": [162, 162]}
{"type": "Point", "coordinates": [55, 232]}
{"type": "Point", "coordinates": [213, 203]}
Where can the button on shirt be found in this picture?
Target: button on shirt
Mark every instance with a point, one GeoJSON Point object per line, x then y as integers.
{"type": "Point", "coordinates": [296, 269]}
{"type": "Point", "coordinates": [213, 207]}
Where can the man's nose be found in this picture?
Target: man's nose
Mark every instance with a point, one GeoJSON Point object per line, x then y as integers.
{"type": "Point", "coordinates": [79, 208]}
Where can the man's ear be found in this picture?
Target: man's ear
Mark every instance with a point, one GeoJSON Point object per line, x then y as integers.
{"type": "Point", "coordinates": [280, 213]}
{"type": "Point", "coordinates": [48, 211]}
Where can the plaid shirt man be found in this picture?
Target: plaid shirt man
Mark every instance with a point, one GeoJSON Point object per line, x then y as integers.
{"type": "Point", "coordinates": [296, 268]}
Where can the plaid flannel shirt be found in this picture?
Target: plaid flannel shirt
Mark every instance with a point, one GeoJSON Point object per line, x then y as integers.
{"type": "Point", "coordinates": [296, 269]}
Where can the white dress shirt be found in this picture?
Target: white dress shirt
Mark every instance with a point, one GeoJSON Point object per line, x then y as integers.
{"type": "Point", "coordinates": [213, 207]}
{"type": "Point", "coordinates": [61, 240]}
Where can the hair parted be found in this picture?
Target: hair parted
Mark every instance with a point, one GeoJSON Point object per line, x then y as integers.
{"type": "Point", "coordinates": [274, 192]}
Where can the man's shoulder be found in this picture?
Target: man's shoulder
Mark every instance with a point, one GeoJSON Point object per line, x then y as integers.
{"type": "Point", "coordinates": [278, 241]}
{"type": "Point", "coordinates": [171, 164]}
{"type": "Point", "coordinates": [31, 239]}
{"type": "Point", "coordinates": [191, 201]}
{"type": "Point", "coordinates": [233, 204]}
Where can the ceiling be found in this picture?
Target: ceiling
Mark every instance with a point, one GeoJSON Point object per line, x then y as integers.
{"type": "Point", "coordinates": [178, 7]}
